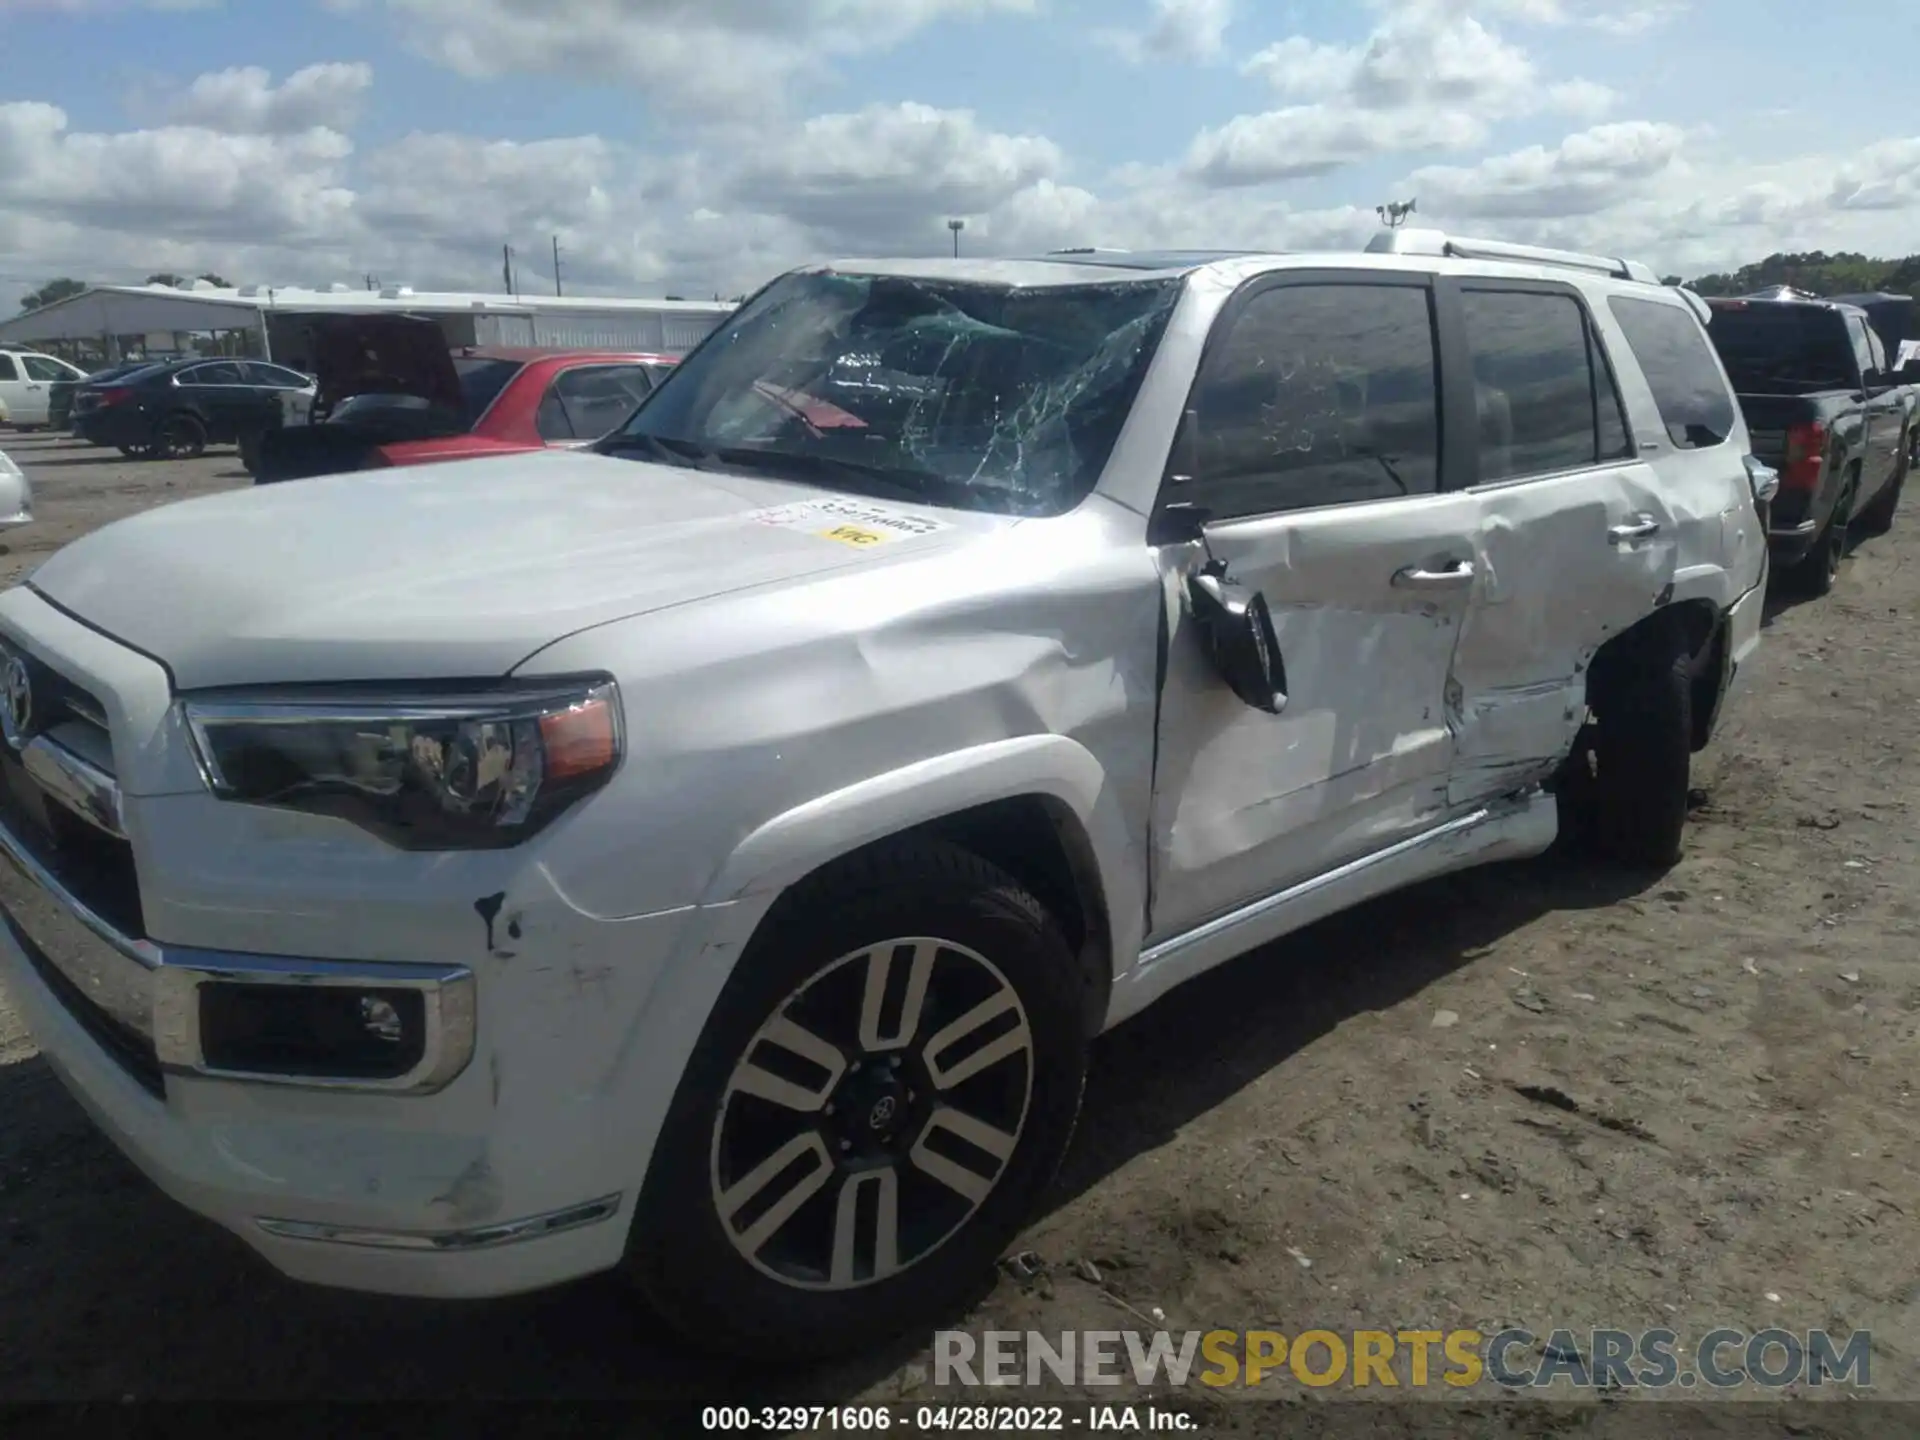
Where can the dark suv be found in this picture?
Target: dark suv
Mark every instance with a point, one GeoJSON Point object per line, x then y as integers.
{"type": "Point", "coordinates": [175, 410]}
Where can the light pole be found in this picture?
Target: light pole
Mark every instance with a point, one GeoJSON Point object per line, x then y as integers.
{"type": "Point", "coordinates": [956, 226]}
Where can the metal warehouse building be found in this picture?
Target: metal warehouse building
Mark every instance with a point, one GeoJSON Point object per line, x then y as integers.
{"type": "Point", "coordinates": [151, 319]}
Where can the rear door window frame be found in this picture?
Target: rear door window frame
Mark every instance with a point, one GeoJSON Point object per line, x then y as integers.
{"type": "Point", "coordinates": [1462, 412]}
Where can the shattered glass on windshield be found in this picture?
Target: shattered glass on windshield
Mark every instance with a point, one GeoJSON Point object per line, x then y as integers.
{"type": "Point", "coordinates": [967, 394]}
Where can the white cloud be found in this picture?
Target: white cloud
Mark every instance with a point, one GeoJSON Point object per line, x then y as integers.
{"type": "Point", "coordinates": [1429, 77]}
{"type": "Point", "coordinates": [1190, 31]}
{"type": "Point", "coordinates": [714, 56]}
{"type": "Point", "coordinates": [175, 180]}
{"type": "Point", "coordinates": [889, 173]}
{"type": "Point", "coordinates": [1585, 173]}
{"type": "Point", "coordinates": [244, 100]}
{"type": "Point", "coordinates": [1884, 177]}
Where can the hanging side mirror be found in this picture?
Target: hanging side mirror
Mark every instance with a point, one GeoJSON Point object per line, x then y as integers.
{"type": "Point", "coordinates": [1236, 631]}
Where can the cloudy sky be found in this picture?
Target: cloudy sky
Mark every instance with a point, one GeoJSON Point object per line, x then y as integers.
{"type": "Point", "coordinates": [700, 145]}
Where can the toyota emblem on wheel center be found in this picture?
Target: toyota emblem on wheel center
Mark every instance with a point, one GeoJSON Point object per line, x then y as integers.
{"type": "Point", "coordinates": [16, 714]}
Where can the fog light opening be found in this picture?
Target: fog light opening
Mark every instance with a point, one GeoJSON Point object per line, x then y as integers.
{"type": "Point", "coordinates": [311, 1032]}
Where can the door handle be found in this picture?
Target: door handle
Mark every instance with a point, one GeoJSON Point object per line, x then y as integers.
{"type": "Point", "coordinates": [1641, 528]}
{"type": "Point", "coordinates": [1418, 577]}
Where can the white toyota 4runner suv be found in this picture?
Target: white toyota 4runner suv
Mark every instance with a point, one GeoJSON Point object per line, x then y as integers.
{"type": "Point", "coordinates": [712, 856]}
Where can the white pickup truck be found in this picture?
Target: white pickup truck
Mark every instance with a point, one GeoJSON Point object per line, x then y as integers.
{"type": "Point", "coordinates": [714, 855]}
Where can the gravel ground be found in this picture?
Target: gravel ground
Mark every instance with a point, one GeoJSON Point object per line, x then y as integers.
{"type": "Point", "coordinates": [1538, 1094]}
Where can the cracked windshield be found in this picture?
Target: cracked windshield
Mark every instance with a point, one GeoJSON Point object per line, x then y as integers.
{"type": "Point", "coordinates": [966, 393]}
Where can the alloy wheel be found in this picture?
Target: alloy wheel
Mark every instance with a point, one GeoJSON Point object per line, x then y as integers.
{"type": "Point", "coordinates": [873, 1114]}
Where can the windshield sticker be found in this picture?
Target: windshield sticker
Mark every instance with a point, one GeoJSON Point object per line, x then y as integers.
{"type": "Point", "coordinates": [850, 522]}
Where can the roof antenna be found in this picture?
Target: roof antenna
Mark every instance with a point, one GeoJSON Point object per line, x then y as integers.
{"type": "Point", "coordinates": [1394, 213]}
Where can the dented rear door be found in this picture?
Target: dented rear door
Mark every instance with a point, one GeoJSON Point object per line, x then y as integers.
{"type": "Point", "coordinates": [1577, 539]}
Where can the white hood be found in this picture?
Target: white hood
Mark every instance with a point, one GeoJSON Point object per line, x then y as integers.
{"type": "Point", "coordinates": [456, 570]}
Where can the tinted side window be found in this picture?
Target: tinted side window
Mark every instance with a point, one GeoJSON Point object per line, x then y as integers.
{"type": "Point", "coordinates": [1534, 382]}
{"type": "Point", "coordinates": [1610, 411]}
{"type": "Point", "coordinates": [223, 372]}
{"type": "Point", "coordinates": [40, 368]}
{"type": "Point", "coordinates": [1320, 395]}
{"type": "Point", "coordinates": [1678, 363]}
{"type": "Point", "coordinates": [8, 370]}
{"type": "Point", "coordinates": [280, 378]}
{"type": "Point", "coordinates": [1866, 346]}
{"type": "Point", "coordinates": [551, 419]}
{"type": "Point", "coordinates": [600, 398]}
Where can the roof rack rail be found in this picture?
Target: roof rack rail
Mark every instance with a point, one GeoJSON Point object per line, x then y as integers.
{"type": "Point", "coordinates": [1092, 250]}
{"type": "Point", "coordinates": [1440, 243]}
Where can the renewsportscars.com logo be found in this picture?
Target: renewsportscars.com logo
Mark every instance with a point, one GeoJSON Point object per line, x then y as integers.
{"type": "Point", "coordinates": [1406, 1358]}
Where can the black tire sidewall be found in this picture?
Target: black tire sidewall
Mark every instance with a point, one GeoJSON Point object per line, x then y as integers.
{"type": "Point", "coordinates": [696, 1279]}
{"type": "Point", "coordinates": [193, 435]}
{"type": "Point", "coordinates": [1644, 748]}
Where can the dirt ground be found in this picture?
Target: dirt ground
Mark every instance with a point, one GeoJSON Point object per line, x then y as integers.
{"type": "Point", "coordinates": [1720, 1060]}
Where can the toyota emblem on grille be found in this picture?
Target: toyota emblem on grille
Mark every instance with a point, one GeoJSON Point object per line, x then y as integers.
{"type": "Point", "coordinates": [16, 713]}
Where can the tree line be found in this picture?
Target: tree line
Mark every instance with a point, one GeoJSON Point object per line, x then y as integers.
{"type": "Point", "coordinates": [1817, 273]}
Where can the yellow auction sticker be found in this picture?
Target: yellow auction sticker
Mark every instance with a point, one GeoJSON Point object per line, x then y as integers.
{"type": "Point", "coordinates": [853, 535]}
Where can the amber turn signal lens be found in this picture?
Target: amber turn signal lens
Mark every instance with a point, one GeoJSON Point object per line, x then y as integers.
{"type": "Point", "coordinates": [579, 740]}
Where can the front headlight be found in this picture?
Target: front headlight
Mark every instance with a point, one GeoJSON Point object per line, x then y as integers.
{"type": "Point", "coordinates": [450, 772]}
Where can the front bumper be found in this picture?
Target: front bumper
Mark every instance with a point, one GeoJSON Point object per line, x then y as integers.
{"type": "Point", "coordinates": [513, 1171]}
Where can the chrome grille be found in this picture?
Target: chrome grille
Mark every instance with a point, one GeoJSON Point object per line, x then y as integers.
{"type": "Point", "coordinates": [58, 702]}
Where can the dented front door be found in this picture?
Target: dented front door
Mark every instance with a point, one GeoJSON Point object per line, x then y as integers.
{"type": "Point", "coordinates": [1313, 442]}
{"type": "Point", "coordinates": [1367, 603]}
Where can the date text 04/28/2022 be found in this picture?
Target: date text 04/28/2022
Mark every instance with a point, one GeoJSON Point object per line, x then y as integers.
{"type": "Point", "coordinates": [937, 1419]}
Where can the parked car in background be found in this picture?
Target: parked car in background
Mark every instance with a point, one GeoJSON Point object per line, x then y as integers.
{"type": "Point", "coordinates": [710, 854]}
{"type": "Point", "coordinates": [390, 392]}
{"type": "Point", "coordinates": [27, 379]}
{"type": "Point", "coordinates": [175, 410]}
{"type": "Point", "coordinates": [65, 394]}
{"type": "Point", "coordinates": [1824, 410]}
{"type": "Point", "coordinates": [16, 494]}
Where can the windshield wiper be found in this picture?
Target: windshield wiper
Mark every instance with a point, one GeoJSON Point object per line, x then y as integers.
{"type": "Point", "coordinates": [684, 453]}
{"type": "Point", "coordinates": [918, 487]}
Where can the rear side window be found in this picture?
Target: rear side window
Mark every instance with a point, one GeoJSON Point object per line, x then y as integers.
{"type": "Point", "coordinates": [1544, 393]}
{"type": "Point", "coordinates": [222, 372]}
{"type": "Point", "coordinates": [481, 381]}
{"type": "Point", "coordinates": [593, 401]}
{"type": "Point", "coordinates": [1676, 359]}
{"type": "Point", "coordinates": [1319, 395]}
{"type": "Point", "coordinates": [8, 370]}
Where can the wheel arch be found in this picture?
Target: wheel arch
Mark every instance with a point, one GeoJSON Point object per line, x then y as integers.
{"type": "Point", "coordinates": [1039, 807]}
{"type": "Point", "coordinates": [1698, 624]}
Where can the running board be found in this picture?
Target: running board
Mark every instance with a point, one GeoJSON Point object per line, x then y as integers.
{"type": "Point", "coordinates": [1511, 829]}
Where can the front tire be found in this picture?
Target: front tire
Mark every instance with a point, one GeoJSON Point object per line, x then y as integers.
{"type": "Point", "coordinates": [886, 1085]}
